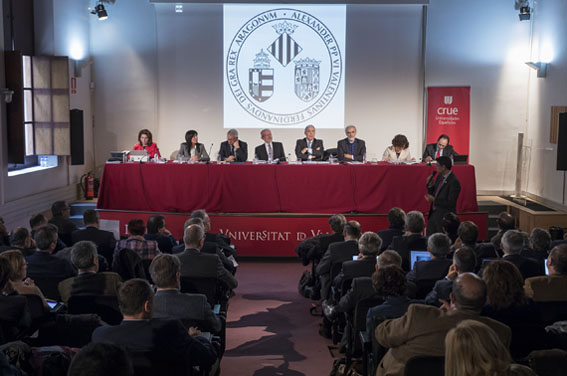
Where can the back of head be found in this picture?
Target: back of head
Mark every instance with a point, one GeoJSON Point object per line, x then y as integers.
{"type": "Point", "coordinates": [155, 223]}
{"type": "Point", "coordinates": [397, 218]}
{"type": "Point", "coordinates": [337, 223]}
{"type": "Point", "coordinates": [389, 281]}
{"type": "Point", "coordinates": [468, 232]}
{"type": "Point", "coordinates": [389, 257]}
{"type": "Point", "coordinates": [201, 214]}
{"type": "Point", "coordinates": [193, 221]}
{"type": "Point", "coordinates": [369, 243]}
{"type": "Point", "coordinates": [465, 260]}
{"type": "Point", "coordinates": [540, 239]}
{"type": "Point", "coordinates": [469, 292]}
{"type": "Point", "coordinates": [193, 235]}
{"type": "Point", "coordinates": [439, 245]}
{"type": "Point", "coordinates": [101, 359]}
{"type": "Point", "coordinates": [504, 283]}
{"type": "Point", "coordinates": [473, 348]}
{"type": "Point", "coordinates": [445, 162]}
{"type": "Point", "coordinates": [57, 208]}
{"type": "Point", "coordinates": [450, 223]}
{"type": "Point", "coordinates": [17, 262]}
{"type": "Point", "coordinates": [5, 272]}
{"type": "Point", "coordinates": [37, 220]}
{"type": "Point", "coordinates": [512, 242]}
{"type": "Point", "coordinates": [19, 236]}
{"type": "Point", "coordinates": [415, 222]}
{"type": "Point", "coordinates": [164, 269]}
{"type": "Point", "coordinates": [90, 217]}
{"type": "Point", "coordinates": [558, 256]}
{"type": "Point", "coordinates": [45, 236]}
{"type": "Point", "coordinates": [83, 254]}
{"type": "Point", "coordinates": [136, 227]}
{"type": "Point", "coordinates": [352, 229]}
{"type": "Point", "coordinates": [506, 221]}
{"type": "Point", "coordinates": [133, 294]}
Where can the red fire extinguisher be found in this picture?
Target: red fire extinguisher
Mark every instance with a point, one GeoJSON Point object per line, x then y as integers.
{"type": "Point", "coordinates": [87, 184]}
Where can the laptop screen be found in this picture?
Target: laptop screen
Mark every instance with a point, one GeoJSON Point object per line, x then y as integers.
{"type": "Point", "coordinates": [546, 269]}
{"type": "Point", "coordinates": [419, 256]}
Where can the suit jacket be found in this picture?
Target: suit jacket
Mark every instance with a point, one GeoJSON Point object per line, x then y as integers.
{"type": "Point", "coordinates": [210, 248]}
{"type": "Point", "coordinates": [104, 240]}
{"type": "Point", "coordinates": [200, 152]}
{"type": "Point", "coordinates": [323, 241]}
{"type": "Point", "coordinates": [106, 283]}
{"type": "Point", "coordinates": [167, 337]}
{"type": "Point", "coordinates": [202, 265]}
{"type": "Point", "coordinates": [390, 153]}
{"type": "Point", "coordinates": [25, 251]}
{"type": "Point", "coordinates": [277, 151]}
{"type": "Point", "coordinates": [430, 270]}
{"type": "Point", "coordinates": [173, 304]}
{"type": "Point", "coordinates": [353, 269]}
{"type": "Point", "coordinates": [422, 331]}
{"type": "Point", "coordinates": [388, 235]}
{"type": "Point", "coordinates": [404, 244]}
{"type": "Point", "coordinates": [441, 290]}
{"type": "Point", "coordinates": [336, 254]}
{"type": "Point", "coordinates": [241, 153]}
{"type": "Point", "coordinates": [534, 254]}
{"type": "Point", "coordinates": [14, 314]}
{"type": "Point", "coordinates": [430, 150]}
{"type": "Point", "coordinates": [165, 242]}
{"type": "Point", "coordinates": [317, 146]}
{"type": "Point", "coordinates": [393, 307]}
{"type": "Point", "coordinates": [343, 147]}
{"type": "Point", "coordinates": [65, 228]}
{"type": "Point", "coordinates": [42, 264]}
{"type": "Point", "coordinates": [445, 201]}
{"type": "Point", "coordinates": [551, 288]}
{"type": "Point", "coordinates": [360, 289]}
{"type": "Point", "coordinates": [528, 267]}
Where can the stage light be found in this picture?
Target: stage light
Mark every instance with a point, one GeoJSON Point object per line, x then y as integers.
{"type": "Point", "coordinates": [100, 12]}
{"type": "Point", "coordinates": [525, 11]}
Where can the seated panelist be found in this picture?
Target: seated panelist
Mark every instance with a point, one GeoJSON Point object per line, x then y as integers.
{"type": "Point", "coordinates": [269, 150]}
{"type": "Point", "coordinates": [309, 148]}
{"type": "Point", "coordinates": [233, 149]}
{"type": "Point", "coordinates": [191, 149]}
{"type": "Point", "coordinates": [351, 148]}
{"type": "Point", "coordinates": [145, 143]}
{"type": "Point", "coordinates": [441, 148]}
{"type": "Point", "coordinates": [399, 151]}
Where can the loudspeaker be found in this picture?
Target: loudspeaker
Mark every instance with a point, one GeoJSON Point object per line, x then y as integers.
{"type": "Point", "coordinates": [77, 138]}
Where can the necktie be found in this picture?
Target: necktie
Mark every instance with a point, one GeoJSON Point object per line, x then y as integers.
{"type": "Point", "coordinates": [438, 189]}
{"type": "Point", "coordinates": [232, 149]}
{"type": "Point", "coordinates": [270, 152]}
{"type": "Point", "coordinates": [309, 143]}
{"type": "Point", "coordinates": [352, 149]}
{"type": "Point", "coordinates": [437, 153]}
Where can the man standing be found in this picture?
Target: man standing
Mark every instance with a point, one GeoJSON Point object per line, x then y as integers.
{"type": "Point", "coordinates": [441, 148]}
{"type": "Point", "coordinates": [351, 148]}
{"type": "Point", "coordinates": [309, 148]}
{"type": "Point", "coordinates": [233, 149]}
{"type": "Point", "coordinates": [442, 194]}
{"type": "Point", "coordinates": [269, 150]}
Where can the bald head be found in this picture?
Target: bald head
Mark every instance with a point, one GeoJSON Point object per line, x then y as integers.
{"type": "Point", "coordinates": [469, 292]}
{"type": "Point", "coordinates": [194, 236]}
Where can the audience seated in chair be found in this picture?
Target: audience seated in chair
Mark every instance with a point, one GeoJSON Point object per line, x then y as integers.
{"type": "Point", "coordinates": [104, 240]}
{"type": "Point", "coordinates": [540, 241]}
{"type": "Point", "coordinates": [472, 348]}
{"type": "Point", "coordinates": [14, 313]}
{"type": "Point", "coordinates": [88, 282]}
{"type": "Point", "coordinates": [551, 288]}
{"type": "Point", "coordinates": [146, 249]}
{"type": "Point", "coordinates": [412, 240]}
{"type": "Point", "coordinates": [20, 239]}
{"type": "Point", "coordinates": [61, 213]}
{"type": "Point", "coordinates": [4, 237]}
{"type": "Point", "coordinates": [450, 224]}
{"type": "Point", "coordinates": [127, 264]}
{"type": "Point", "coordinates": [171, 304]}
{"type": "Point", "coordinates": [369, 246]}
{"type": "Point", "coordinates": [39, 220]}
{"type": "Point", "coordinates": [422, 330]}
{"type": "Point", "coordinates": [468, 236]}
{"type": "Point", "coordinates": [312, 249]}
{"type": "Point", "coordinates": [101, 359]}
{"type": "Point", "coordinates": [397, 221]}
{"type": "Point", "coordinates": [139, 331]}
{"type": "Point", "coordinates": [159, 233]}
{"type": "Point", "coordinates": [505, 222]}
{"type": "Point", "coordinates": [511, 245]}
{"type": "Point", "coordinates": [42, 263]}
{"type": "Point", "coordinates": [222, 241]}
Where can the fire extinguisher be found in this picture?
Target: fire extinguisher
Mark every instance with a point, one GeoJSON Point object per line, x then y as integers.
{"type": "Point", "coordinates": [87, 185]}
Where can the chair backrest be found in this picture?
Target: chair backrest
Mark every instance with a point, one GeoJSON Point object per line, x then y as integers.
{"type": "Point", "coordinates": [551, 362]}
{"type": "Point", "coordinates": [104, 306]}
{"type": "Point", "coordinates": [552, 312]}
{"type": "Point", "coordinates": [335, 270]}
{"type": "Point", "coordinates": [205, 286]}
{"type": "Point", "coordinates": [328, 152]}
{"type": "Point", "coordinates": [361, 309]}
{"type": "Point", "coordinates": [35, 306]}
{"type": "Point", "coordinates": [128, 264]}
{"type": "Point", "coordinates": [425, 366]}
{"type": "Point", "coordinates": [150, 363]}
{"type": "Point", "coordinates": [424, 286]}
{"type": "Point", "coordinates": [48, 286]}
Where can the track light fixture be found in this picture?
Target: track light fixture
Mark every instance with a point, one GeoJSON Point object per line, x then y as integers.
{"type": "Point", "coordinates": [525, 11]}
{"type": "Point", "coordinates": [100, 12]}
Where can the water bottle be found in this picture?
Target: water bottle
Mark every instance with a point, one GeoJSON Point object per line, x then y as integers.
{"type": "Point", "coordinates": [289, 157]}
{"type": "Point", "coordinates": [364, 158]}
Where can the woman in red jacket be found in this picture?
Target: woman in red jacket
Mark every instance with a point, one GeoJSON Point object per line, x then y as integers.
{"type": "Point", "coordinates": [145, 143]}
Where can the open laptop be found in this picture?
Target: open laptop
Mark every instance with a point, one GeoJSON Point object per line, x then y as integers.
{"type": "Point", "coordinates": [116, 156]}
{"type": "Point", "coordinates": [138, 156]}
{"type": "Point", "coordinates": [460, 159]}
{"type": "Point", "coordinates": [419, 256]}
{"type": "Point", "coordinates": [546, 268]}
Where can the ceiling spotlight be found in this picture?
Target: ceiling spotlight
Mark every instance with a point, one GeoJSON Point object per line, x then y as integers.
{"type": "Point", "coordinates": [100, 12]}
{"type": "Point", "coordinates": [524, 7]}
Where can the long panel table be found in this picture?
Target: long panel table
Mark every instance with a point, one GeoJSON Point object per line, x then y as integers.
{"type": "Point", "coordinates": [270, 188]}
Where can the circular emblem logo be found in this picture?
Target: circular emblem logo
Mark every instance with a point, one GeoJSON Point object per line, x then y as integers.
{"type": "Point", "coordinates": [284, 66]}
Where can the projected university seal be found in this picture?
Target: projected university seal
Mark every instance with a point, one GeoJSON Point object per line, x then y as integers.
{"type": "Point", "coordinates": [284, 66]}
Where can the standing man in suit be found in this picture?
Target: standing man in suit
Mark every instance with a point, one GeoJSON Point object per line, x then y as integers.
{"type": "Point", "coordinates": [309, 148]}
{"type": "Point", "coordinates": [269, 151]}
{"type": "Point", "coordinates": [104, 240]}
{"type": "Point", "coordinates": [233, 149]}
{"type": "Point", "coordinates": [351, 148]}
{"type": "Point", "coordinates": [440, 149]}
{"type": "Point", "coordinates": [442, 194]}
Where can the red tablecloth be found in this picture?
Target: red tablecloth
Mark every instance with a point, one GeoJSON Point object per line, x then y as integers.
{"type": "Point", "coordinates": [263, 188]}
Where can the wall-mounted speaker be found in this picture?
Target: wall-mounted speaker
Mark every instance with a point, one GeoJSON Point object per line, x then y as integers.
{"type": "Point", "coordinates": [77, 137]}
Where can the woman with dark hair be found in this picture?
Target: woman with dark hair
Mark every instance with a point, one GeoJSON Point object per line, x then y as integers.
{"type": "Point", "coordinates": [146, 143]}
{"type": "Point", "coordinates": [191, 149]}
{"type": "Point", "coordinates": [399, 151]}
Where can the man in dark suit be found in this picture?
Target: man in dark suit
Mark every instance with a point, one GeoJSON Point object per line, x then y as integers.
{"type": "Point", "coordinates": [61, 213]}
{"type": "Point", "coordinates": [170, 303]}
{"type": "Point", "coordinates": [436, 268]}
{"type": "Point", "coordinates": [467, 237]}
{"type": "Point", "coordinates": [194, 263]}
{"type": "Point", "coordinates": [139, 331]}
{"type": "Point", "coordinates": [412, 240]}
{"type": "Point", "coordinates": [442, 194]}
{"type": "Point", "coordinates": [337, 254]}
{"type": "Point", "coordinates": [439, 149]}
{"type": "Point", "coordinates": [221, 240]}
{"type": "Point", "coordinates": [89, 281]}
{"type": "Point", "coordinates": [233, 149]}
{"type": "Point", "coordinates": [512, 244]}
{"type": "Point", "coordinates": [369, 245]}
{"type": "Point", "coordinates": [505, 222]}
{"type": "Point", "coordinates": [42, 263]}
{"type": "Point", "coordinates": [552, 287]}
{"type": "Point", "coordinates": [159, 233]}
{"type": "Point", "coordinates": [20, 239]}
{"type": "Point", "coordinates": [397, 220]}
{"type": "Point", "coordinates": [351, 148]}
{"type": "Point", "coordinates": [540, 241]}
{"type": "Point", "coordinates": [309, 148]}
{"type": "Point", "coordinates": [269, 150]}
{"type": "Point", "coordinates": [39, 220]}
{"type": "Point", "coordinates": [104, 240]}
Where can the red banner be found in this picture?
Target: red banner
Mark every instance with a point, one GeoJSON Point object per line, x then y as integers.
{"type": "Point", "coordinates": [448, 112]}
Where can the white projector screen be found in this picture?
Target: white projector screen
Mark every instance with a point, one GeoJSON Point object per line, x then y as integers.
{"type": "Point", "coordinates": [284, 66]}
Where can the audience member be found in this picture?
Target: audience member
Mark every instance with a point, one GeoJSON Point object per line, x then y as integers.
{"type": "Point", "coordinates": [222, 241]}
{"type": "Point", "coordinates": [397, 221]}
{"type": "Point", "coordinates": [169, 303]}
{"type": "Point", "coordinates": [551, 288]}
{"type": "Point", "coordinates": [14, 313]}
{"type": "Point", "coordinates": [88, 282]}
{"type": "Point", "coordinates": [42, 263]}
{"type": "Point", "coordinates": [159, 233]}
{"type": "Point", "coordinates": [468, 236]}
{"type": "Point", "coordinates": [540, 241]}
{"type": "Point", "coordinates": [139, 331]}
{"type": "Point", "coordinates": [369, 246]}
{"type": "Point", "coordinates": [146, 249]}
{"type": "Point", "coordinates": [101, 359]}
{"type": "Point", "coordinates": [412, 240]}
{"type": "Point", "coordinates": [512, 244]}
{"type": "Point", "coordinates": [201, 265]}
{"type": "Point", "coordinates": [438, 246]}
{"type": "Point", "coordinates": [104, 240]}
{"type": "Point", "coordinates": [473, 349]}
{"type": "Point", "coordinates": [4, 237]}
{"type": "Point", "coordinates": [422, 330]}
{"type": "Point", "coordinates": [38, 220]}
{"type": "Point", "coordinates": [505, 222]}
{"type": "Point", "coordinates": [20, 239]}
{"type": "Point", "coordinates": [61, 213]}
{"type": "Point", "coordinates": [450, 225]}
{"type": "Point", "coordinates": [18, 281]}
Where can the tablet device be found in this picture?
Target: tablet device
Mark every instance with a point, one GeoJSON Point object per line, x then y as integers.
{"type": "Point", "coordinates": [419, 256]}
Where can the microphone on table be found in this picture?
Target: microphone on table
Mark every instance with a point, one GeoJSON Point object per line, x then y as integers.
{"type": "Point", "coordinates": [210, 150]}
{"type": "Point", "coordinates": [430, 179]}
